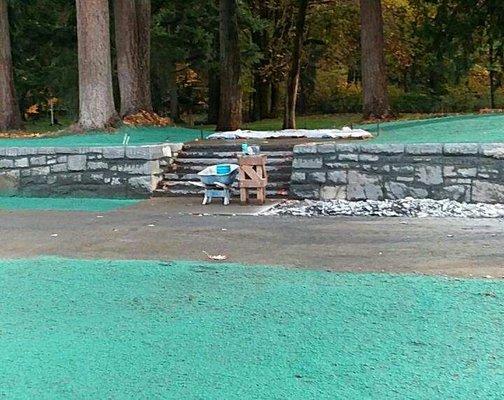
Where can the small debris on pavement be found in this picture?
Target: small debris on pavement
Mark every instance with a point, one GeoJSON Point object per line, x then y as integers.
{"type": "Point", "coordinates": [218, 257]}
{"type": "Point", "coordinates": [54, 235]}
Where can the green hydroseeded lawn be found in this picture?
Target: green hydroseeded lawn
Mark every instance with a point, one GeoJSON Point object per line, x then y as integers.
{"type": "Point", "coordinates": [101, 329]}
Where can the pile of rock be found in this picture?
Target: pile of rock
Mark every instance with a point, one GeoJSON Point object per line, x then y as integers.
{"type": "Point", "coordinates": [409, 207]}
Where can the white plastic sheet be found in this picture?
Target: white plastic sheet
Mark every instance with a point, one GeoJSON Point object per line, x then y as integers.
{"type": "Point", "coordinates": [344, 133]}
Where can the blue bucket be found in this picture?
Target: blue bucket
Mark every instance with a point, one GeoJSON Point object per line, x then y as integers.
{"type": "Point", "coordinates": [223, 169]}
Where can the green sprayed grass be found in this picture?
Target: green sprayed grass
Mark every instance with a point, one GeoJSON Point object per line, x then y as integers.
{"type": "Point", "coordinates": [455, 129]}
{"type": "Point", "coordinates": [410, 128]}
{"type": "Point", "coordinates": [138, 136]}
{"type": "Point", "coordinates": [322, 121]}
{"type": "Point", "coordinates": [64, 204]}
{"type": "Point", "coordinates": [189, 330]}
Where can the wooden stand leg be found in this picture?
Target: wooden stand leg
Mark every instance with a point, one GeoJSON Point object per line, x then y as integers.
{"type": "Point", "coordinates": [261, 195]}
{"type": "Point", "coordinates": [243, 195]}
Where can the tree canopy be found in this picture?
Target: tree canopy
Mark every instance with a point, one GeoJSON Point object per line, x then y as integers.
{"type": "Point", "coordinates": [441, 55]}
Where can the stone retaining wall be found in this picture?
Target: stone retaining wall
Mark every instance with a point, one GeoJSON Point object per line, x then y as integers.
{"type": "Point", "coordinates": [132, 171]}
{"type": "Point", "coordinates": [361, 171]}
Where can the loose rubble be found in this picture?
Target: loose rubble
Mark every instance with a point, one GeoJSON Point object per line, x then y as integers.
{"type": "Point", "coordinates": [409, 207]}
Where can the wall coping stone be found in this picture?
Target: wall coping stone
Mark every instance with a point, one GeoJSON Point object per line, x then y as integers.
{"type": "Point", "coordinates": [142, 152]}
{"type": "Point", "coordinates": [461, 148]}
{"type": "Point", "coordinates": [493, 150]}
{"type": "Point", "coordinates": [424, 149]}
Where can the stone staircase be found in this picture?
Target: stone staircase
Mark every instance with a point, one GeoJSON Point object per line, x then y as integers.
{"type": "Point", "coordinates": [195, 156]}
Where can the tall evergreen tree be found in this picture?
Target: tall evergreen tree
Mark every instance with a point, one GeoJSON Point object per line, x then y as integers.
{"type": "Point", "coordinates": [10, 117]}
{"type": "Point", "coordinates": [293, 79]}
{"type": "Point", "coordinates": [374, 74]}
{"type": "Point", "coordinates": [132, 33]}
{"type": "Point", "coordinates": [96, 101]}
{"type": "Point", "coordinates": [230, 110]}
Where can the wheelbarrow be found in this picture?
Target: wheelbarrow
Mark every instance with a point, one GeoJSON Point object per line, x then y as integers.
{"type": "Point", "coordinates": [217, 181]}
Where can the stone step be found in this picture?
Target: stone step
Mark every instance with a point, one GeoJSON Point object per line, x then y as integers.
{"type": "Point", "coordinates": [176, 191]}
{"type": "Point", "coordinates": [268, 166]}
{"type": "Point", "coordinates": [273, 178]}
{"type": "Point", "coordinates": [188, 174]}
{"type": "Point", "coordinates": [213, 161]}
{"type": "Point", "coordinates": [227, 145]}
{"type": "Point", "coordinates": [271, 185]}
{"type": "Point", "coordinates": [195, 157]}
{"type": "Point", "coordinates": [231, 154]}
{"type": "Point", "coordinates": [183, 170]}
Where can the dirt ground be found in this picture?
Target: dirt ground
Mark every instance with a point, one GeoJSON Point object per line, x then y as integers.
{"type": "Point", "coordinates": [181, 229]}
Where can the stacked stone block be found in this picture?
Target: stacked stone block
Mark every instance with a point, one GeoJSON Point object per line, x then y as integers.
{"type": "Point", "coordinates": [365, 171]}
{"type": "Point", "coordinates": [132, 171]}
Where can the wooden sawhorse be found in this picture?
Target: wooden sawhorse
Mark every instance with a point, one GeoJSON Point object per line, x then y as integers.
{"type": "Point", "coordinates": [253, 176]}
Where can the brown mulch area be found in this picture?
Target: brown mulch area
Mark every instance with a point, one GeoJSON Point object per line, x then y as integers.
{"type": "Point", "coordinates": [147, 118]}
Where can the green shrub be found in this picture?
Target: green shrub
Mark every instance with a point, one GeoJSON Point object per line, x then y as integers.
{"type": "Point", "coordinates": [413, 102]}
{"type": "Point", "coordinates": [456, 98]}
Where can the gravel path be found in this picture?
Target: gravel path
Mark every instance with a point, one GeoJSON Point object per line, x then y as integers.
{"type": "Point", "coordinates": [416, 208]}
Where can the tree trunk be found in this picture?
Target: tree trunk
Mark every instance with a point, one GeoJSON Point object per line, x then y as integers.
{"type": "Point", "coordinates": [276, 102]}
{"type": "Point", "coordinates": [307, 82]}
{"type": "Point", "coordinates": [264, 99]}
{"type": "Point", "coordinates": [213, 96]}
{"type": "Point", "coordinates": [230, 111]}
{"type": "Point", "coordinates": [132, 28]}
{"type": "Point", "coordinates": [293, 79]}
{"type": "Point", "coordinates": [374, 74]}
{"type": "Point", "coordinates": [173, 92]}
{"type": "Point", "coordinates": [96, 100]}
{"type": "Point", "coordinates": [10, 117]}
{"type": "Point", "coordinates": [491, 74]}
{"type": "Point", "coordinates": [261, 98]}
